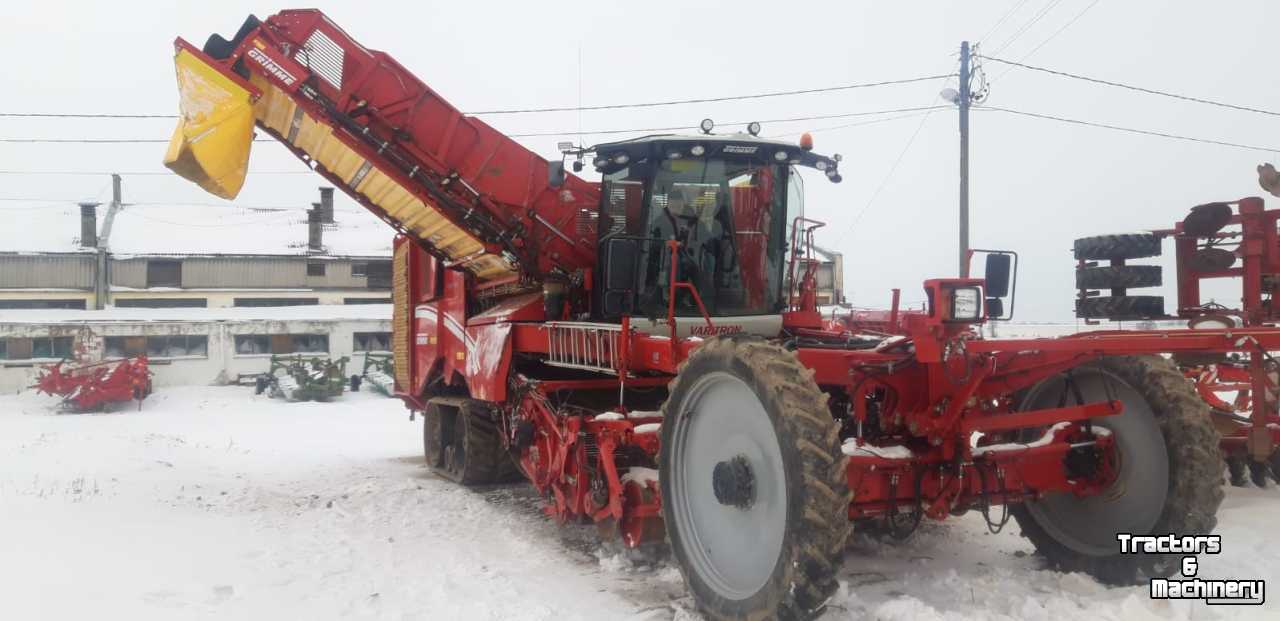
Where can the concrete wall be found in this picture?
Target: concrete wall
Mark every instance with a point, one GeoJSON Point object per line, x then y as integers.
{"type": "Point", "coordinates": [221, 364]}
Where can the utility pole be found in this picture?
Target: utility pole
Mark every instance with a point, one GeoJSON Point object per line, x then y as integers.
{"type": "Point", "coordinates": [964, 101]}
{"type": "Point", "coordinates": [101, 280]}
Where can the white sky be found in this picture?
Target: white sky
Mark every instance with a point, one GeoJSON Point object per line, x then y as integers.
{"type": "Point", "coordinates": [1036, 185]}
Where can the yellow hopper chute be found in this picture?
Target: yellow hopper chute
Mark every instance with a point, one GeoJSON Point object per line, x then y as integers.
{"type": "Point", "coordinates": [215, 128]}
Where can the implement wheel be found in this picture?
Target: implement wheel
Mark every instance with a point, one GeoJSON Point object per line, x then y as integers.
{"type": "Point", "coordinates": [1116, 247]}
{"type": "Point", "coordinates": [754, 493]}
{"type": "Point", "coordinates": [1169, 471]}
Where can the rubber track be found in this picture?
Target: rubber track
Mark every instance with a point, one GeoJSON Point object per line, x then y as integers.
{"type": "Point", "coordinates": [806, 580]}
{"type": "Point", "coordinates": [1195, 475]}
{"type": "Point", "coordinates": [484, 460]}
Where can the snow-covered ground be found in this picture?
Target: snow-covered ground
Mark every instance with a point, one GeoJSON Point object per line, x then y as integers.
{"type": "Point", "coordinates": [216, 503]}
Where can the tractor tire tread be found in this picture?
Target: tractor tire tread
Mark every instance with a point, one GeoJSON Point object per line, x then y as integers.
{"type": "Point", "coordinates": [1121, 307]}
{"type": "Point", "coordinates": [1119, 277]}
{"type": "Point", "coordinates": [1117, 247]}
{"type": "Point", "coordinates": [808, 579]}
{"type": "Point", "coordinates": [1195, 475]}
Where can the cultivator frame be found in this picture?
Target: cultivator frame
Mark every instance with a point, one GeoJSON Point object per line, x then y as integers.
{"type": "Point", "coordinates": [1235, 239]}
{"type": "Point", "coordinates": [86, 387]}
{"type": "Point", "coordinates": [516, 336]}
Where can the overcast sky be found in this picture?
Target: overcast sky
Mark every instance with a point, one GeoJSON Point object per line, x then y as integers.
{"type": "Point", "coordinates": [1036, 184]}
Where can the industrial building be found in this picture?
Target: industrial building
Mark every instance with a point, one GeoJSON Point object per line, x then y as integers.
{"type": "Point", "coordinates": [189, 346]}
{"type": "Point", "coordinates": [161, 256]}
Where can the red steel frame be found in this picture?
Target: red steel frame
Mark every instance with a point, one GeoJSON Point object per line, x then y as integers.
{"type": "Point", "coordinates": [1256, 243]}
{"type": "Point", "coordinates": [948, 383]}
{"type": "Point", "coordinates": [85, 387]}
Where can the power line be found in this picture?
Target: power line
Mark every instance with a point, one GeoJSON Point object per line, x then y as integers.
{"type": "Point", "coordinates": [858, 124]}
{"type": "Point", "coordinates": [897, 162]}
{"type": "Point", "coordinates": [1056, 33]}
{"type": "Point", "coordinates": [1003, 18]}
{"type": "Point", "coordinates": [579, 108]}
{"type": "Point", "coordinates": [1131, 87]}
{"type": "Point", "coordinates": [676, 102]}
{"type": "Point", "coordinates": [1131, 130]}
{"type": "Point", "coordinates": [83, 115]}
{"type": "Point", "coordinates": [149, 173]}
{"type": "Point", "coordinates": [1033, 21]}
{"type": "Point", "coordinates": [634, 130]}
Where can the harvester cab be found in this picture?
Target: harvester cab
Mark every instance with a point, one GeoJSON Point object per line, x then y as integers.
{"type": "Point", "coordinates": [710, 211]}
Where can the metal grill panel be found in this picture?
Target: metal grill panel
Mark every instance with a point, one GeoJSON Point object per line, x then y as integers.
{"type": "Point", "coordinates": [587, 346]}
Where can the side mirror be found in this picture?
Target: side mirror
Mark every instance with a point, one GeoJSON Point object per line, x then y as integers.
{"type": "Point", "coordinates": [619, 273]}
{"type": "Point", "coordinates": [1001, 275]}
{"type": "Point", "coordinates": [555, 174]}
{"type": "Point", "coordinates": [995, 307]}
{"type": "Point", "coordinates": [997, 273]}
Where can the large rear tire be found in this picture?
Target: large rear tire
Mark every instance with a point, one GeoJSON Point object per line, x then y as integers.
{"type": "Point", "coordinates": [1169, 476]}
{"type": "Point", "coordinates": [754, 493]}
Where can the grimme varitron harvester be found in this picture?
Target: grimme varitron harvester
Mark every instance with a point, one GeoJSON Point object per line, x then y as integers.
{"type": "Point", "coordinates": [645, 349]}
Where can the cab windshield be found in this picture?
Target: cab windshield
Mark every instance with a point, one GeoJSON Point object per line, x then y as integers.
{"type": "Point", "coordinates": [729, 217]}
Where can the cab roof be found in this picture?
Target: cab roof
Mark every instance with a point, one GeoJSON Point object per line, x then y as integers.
{"type": "Point", "coordinates": [737, 145]}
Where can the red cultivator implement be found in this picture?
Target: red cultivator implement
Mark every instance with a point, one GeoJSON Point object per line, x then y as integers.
{"type": "Point", "coordinates": [1217, 240]}
{"type": "Point", "coordinates": [88, 387]}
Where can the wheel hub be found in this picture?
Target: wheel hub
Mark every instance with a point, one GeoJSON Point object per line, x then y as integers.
{"type": "Point", "coordinates": [734, 483]}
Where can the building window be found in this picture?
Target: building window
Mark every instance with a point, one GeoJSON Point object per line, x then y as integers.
{"type": "Point", "coordinates": [251, 344]}
{"type": "Point", "coordinates": [169, 346]}
{"type": "Point", "coordinates": [164, 273]}
{"type": "Point", "coordinates": [366, 300]}
{"type": "Point", "coordinates": [18, 304]}
{"type": "Point", "coordinates": [54, 347]}
{"type": "Point", "coordinates": [315, 268]}
{"type": "Point", "coordinates": [161, 302]}
{"type": "Point", "coordinates": [4, 349]}
{"type": "Point", "coordinates": [371, 341]}
{"type": "Point", "coordinates": [310, 343]}
{"type": "Point", "coordinates": [378, 274]}
{"type": "Point", "coordinates": [359, 270]}
{"type": "Point", "coordinates": [276, 301]}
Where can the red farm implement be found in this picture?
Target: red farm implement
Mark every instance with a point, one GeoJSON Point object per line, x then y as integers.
{"type": "Point", "coordinates": [635, 348]}
{"type": "Point", "coordinates": [1230, 240]}
{"type": "Point", "coordinates": [90, 387]}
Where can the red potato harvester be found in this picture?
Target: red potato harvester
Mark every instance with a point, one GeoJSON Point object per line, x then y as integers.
{"type": "Point", "coordinates": [646, 351]}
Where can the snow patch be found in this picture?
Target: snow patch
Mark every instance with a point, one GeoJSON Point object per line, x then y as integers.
{"type": "Point", "coordinates": [644, 414]}
{"type": "Point", "coordinates": [648, 428]}
{"type": "Point", "coordinates": [640, 475]}
{"type": "Point", "coordinates": [852, 449]}
{"type": "Point", "coordinates": [1043, 440]}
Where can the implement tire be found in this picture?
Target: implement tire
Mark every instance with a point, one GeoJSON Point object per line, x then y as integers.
{"type": "Point", "coordinates": [754, 492]}
{"type": "Point", "coordinates": [1118, 277]}
{"type": "Point", "coordinates": [1117, 247]}
{"type": "Point", "coordinates": [1121, 307]}
{"type": "Point", "coordinates": [1169, 479]}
